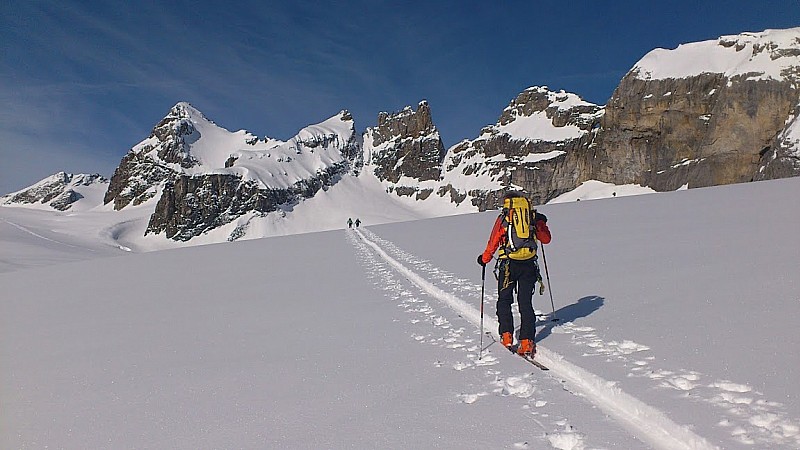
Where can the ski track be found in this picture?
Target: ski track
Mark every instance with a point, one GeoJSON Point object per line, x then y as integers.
{"type": "Point", "coordinates": [744, 413]}
{"type": "Point", "coordinates": [434, 329]}
{"type": "Point", "coordinates": [643, 421]}
{"type": "Point", "coordinates": [748, 417]}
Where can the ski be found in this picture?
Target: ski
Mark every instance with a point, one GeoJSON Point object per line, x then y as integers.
{"type": "Point", "coordinates": [513, 349]}
{"type": "Point", "coordinates": [535, 363]}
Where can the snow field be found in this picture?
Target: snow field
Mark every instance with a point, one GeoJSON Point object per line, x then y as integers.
{"type": "Point", "coordinates": [645, 422]}
{"type": "Point", "coordinates": [317, 340]}
{"type": "Point", "coordinates": [678, 361]}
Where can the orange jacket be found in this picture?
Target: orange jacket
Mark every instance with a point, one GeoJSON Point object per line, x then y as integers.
{"type": "Point", "coordinates": [498, 235]}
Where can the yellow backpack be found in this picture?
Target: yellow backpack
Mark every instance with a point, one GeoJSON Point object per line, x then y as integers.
{"type": "Point", "coordinates": [520, 243]}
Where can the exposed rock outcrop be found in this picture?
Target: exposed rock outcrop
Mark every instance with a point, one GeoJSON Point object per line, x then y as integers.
{"type": "Point", "coordinates": [193, 205]}
{"type": "Point", "coordinates": [406, 151]}
{"type": "Point", "coordinates": [782, 158]}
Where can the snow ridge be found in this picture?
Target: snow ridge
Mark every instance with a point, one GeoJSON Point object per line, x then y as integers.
{"type": "Point", "coordinates": [642, 420]}
{"type": "Point", "coordinates": [771, 54]}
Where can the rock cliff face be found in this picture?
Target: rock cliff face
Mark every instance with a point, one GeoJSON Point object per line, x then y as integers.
{"type": "Point", "coordinates": [59, 191]}
{"type": "Point", "coordinates": [208, 176]}
{"type": "Point", "coordinates": [406, 151]}
{"type": "Point", "coordinates": [703, 114]}
{"type": "Point", "coordinates": [782, 159]}
{"type": "Point", "coordinates": [192, 205]}
{"type": "Point", "coordinates": [539, 145]}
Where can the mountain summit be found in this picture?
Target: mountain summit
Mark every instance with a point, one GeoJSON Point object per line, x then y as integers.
{"type": "Point", "coordinates": [205, 176]}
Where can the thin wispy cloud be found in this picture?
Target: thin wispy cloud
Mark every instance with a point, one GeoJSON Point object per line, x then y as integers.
{"type": "Point", "coordinates": [92, 78]}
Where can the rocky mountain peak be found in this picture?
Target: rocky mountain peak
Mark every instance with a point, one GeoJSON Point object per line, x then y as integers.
{"type": "Point", "coordinates": [560, 108]}
{"type": "Point", "coordinates": [533, 147]}
{"type": "Point", "coordinates": [406, 145]}
{"type": "Point", "coordinates": [175, 131]}
{"type": "Point", "coordinates": [345, 116]}
{"type": "Point", "coordinates": [207, 176]}
{"type": "Point", "coordinates": [59, 191]}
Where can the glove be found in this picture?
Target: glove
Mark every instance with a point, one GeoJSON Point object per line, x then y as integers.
{"type": "Point", "coordinates": [480, 260]}
{"type": "Point", "coordinates": [542, 232]}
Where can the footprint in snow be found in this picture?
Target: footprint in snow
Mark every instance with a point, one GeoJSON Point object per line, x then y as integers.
{"type": "Point", "coordinates": [471, 398]}
{"type": "Point", "coordinates": [731, 387]}
{"type": "Point", "coordinates": [487, 360]}
{"type": "Point", "coordinates": [461, 366]}
{"type": "Point", "coordinates": [566, 441]}
{"type": "Point", "coordinates": [679, 383]}
{"type": "Point", "coordinates": [515, 386]}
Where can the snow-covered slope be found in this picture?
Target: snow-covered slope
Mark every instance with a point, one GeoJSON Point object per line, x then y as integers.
{"type": "Point", "coordinates": [770, 54]}
{"type": "Point", "coordinates": [210, 148]}
{"type": "Point", "coordinates": [670, 305]}
{"type": "Point", "coordinates": [95, 227]}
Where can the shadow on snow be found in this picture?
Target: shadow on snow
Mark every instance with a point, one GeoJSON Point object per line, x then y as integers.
{"type": "Point", "coordinates": [583, 308]}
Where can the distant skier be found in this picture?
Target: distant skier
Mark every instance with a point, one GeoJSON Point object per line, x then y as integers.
{"type": "Point", "coordinates": [350, 222]}
{"type": "Point", "coordinates": [358, 222]}
{"type": "Point", "coordinates": [514, 236]}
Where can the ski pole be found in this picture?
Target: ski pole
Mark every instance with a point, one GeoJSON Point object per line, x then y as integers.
{"type": "Point", "coordinates": [483, 283]}
{"type": "Point", "coordinates": [549, 286]}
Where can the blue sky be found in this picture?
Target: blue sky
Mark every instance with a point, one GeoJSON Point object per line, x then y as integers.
{"type": "Point", "coordinates": [82, 82]}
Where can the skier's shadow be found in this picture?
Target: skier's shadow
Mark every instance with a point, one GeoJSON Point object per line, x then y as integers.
{"type": "Point", "coordinates": [584, 307]}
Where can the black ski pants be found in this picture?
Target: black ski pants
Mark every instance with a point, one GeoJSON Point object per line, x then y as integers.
{"type": "Point", "coordinates": [523, 276]}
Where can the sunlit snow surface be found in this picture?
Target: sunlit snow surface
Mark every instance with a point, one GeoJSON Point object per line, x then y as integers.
{"type": "Point", "coordinates": [766, 55]}
{"type": "Point", "coordinates": [677, 315]}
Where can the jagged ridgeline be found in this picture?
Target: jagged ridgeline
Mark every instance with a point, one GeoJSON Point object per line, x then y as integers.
{"type": "Point", "coordinates": [207, 176]}
{"type": "Point", "coordinates": [703, 114]}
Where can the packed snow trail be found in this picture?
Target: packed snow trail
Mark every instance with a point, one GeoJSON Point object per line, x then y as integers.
{"type": "Point", "coordinates": [26, 230]}
{"type": "Point", "coordinates": [642, 420]}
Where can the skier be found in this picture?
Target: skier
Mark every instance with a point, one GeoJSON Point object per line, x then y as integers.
{"type": "Point", "coordinates": [358, 222]}
{"type": "Point", "coordinates": [349, 222]}
{"type": "Point", "coordinates": [514, 236]}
